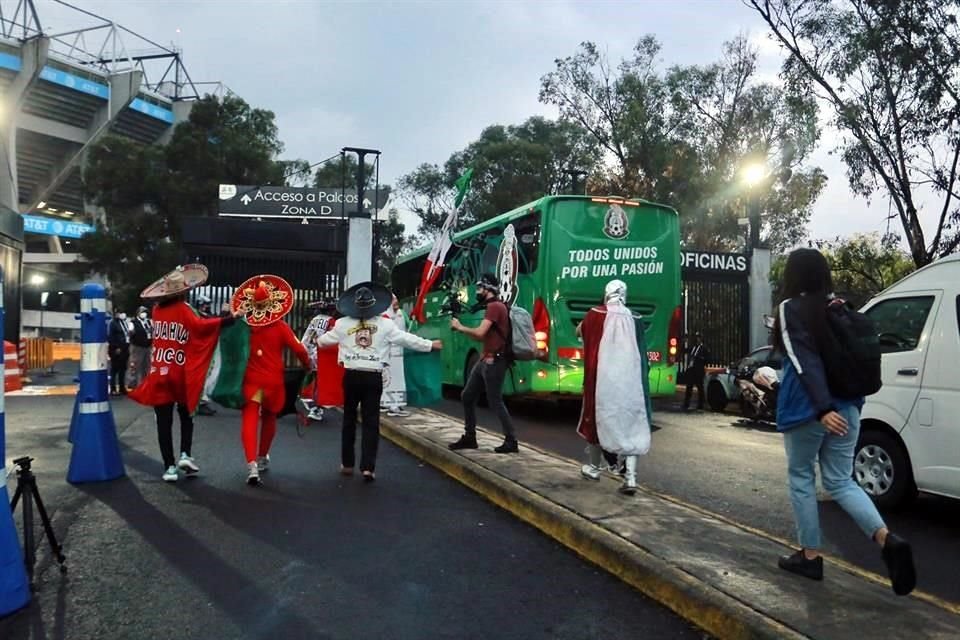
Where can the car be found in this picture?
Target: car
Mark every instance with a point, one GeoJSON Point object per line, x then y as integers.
{"type": "Point", "coordinates": [721, 386]}
{"type": "Point", "coordinates": [909, 433]}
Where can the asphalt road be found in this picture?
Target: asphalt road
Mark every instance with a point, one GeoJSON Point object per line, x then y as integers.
{"type": "Point", "coordinates": [718, 463]}
{"type": "Point", "coordinates": [309, 555]}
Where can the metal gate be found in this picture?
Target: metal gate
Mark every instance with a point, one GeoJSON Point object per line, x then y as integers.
{"type": "Point", "coordinates": [716, 294]}
{"type": "Point", "coordinates": [310, 257]}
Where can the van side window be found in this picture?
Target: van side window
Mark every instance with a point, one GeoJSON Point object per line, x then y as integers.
{"type": "Point", "coordinates": [900, 322]}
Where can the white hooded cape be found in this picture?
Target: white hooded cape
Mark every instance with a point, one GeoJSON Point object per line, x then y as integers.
{"type": "Point", "coordinates": [394, 382]}
{"type": "Point", "coordinates": [623, 426]}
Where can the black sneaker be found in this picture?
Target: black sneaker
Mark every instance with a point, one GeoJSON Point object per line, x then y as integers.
{"type": "Point", "coordinates": [465, 442]}
{"type": "Point", "coordinates": [803, 566]}
{"type": "Point", "coordinates": [898, 556]}
{"type": "Point", "coordinates": [508, 446]}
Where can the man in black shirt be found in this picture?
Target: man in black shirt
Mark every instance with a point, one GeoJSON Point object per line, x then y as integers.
{"type": "Point", "coordinates": [118, 339]}
{"type": "Point", "coordinates": [697, 358]}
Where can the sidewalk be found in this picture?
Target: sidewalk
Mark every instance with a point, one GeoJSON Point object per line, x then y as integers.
{"type": "Point", "coordinates": [715, 574]}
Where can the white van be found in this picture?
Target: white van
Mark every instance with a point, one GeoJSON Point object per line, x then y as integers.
{"type": "Point", "coordinates": [910, 434]}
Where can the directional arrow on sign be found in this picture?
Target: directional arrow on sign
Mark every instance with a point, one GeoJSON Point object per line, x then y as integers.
{"type": "Point", "coordinates": [245, 199]}
{"type": "Point", "coordinates": [366, 203]}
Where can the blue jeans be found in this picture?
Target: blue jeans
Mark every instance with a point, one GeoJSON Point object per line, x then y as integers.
{"type": "Point", "coordinates": [804, 444]}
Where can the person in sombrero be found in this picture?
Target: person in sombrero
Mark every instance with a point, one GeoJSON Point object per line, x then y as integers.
{"type": "Point", "coordinates": [264, 300]}
{"type": "Point", "coordinates": [183, 344]}
{"type": "Point", "coordinates": [364, 337]}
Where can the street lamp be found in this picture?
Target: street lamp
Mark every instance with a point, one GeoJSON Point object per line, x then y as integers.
{"type": "Point", "coordinates": [753, 175]}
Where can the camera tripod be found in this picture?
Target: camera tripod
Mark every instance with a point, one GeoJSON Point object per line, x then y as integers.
{"type": "Point", "coordinates": [27, 489]}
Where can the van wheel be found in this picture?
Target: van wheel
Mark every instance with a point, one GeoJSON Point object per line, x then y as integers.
{"type": "Point", "coordinates": [716, 397]}
{"type": "Point", "coordinates": [882, 469]}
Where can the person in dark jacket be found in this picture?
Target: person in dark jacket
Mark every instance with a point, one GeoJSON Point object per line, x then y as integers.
{"type": "Point", "coordinates": [697, 357]}
{"type": "Point", "coordinates": [118, 339]}
{"type": "Point", "coordinates": [817, 426]}
{"type": "Point", "coordinates": [140, 339]}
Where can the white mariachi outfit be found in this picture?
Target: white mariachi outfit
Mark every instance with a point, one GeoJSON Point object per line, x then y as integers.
{"type": "Point", "coordinates": [394, 385]}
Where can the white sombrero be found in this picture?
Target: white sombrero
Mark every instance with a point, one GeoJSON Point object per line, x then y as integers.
{"type": "Point", "coordinates": [178, 281]}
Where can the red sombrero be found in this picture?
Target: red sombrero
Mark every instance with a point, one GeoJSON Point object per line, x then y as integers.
{"type": "Point", "coordinates": [263, 299]}
{"type": "Point", "coordinates": [180, 280]}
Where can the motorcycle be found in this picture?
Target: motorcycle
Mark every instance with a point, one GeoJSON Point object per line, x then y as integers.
{"type": "Point", "coordinates": [759, 387]}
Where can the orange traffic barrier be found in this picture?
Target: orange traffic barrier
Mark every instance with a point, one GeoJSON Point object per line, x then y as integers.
{"type": "Point", "coordinates": [11, 370]}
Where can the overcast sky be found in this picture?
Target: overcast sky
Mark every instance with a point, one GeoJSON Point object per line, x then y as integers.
{"type": "Point", "coordinates": [420, 80]}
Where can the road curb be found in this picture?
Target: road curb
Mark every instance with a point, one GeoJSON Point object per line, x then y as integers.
{"type": "Point", "coordinates": [719, 614]}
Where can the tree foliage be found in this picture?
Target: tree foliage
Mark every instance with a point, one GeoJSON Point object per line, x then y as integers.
{"type": "Point", "coordinates": [511, 165]}
{"type": "Point", "coordinates": [862, 265]}
{"type": "Point", "coordinates": [146, 190]}
{"type": "Point", "coordinates": [390, 242]}
{"type": "Point", "coordinates": [887, 72]}
{"type": "Point", "coordinates": [682, 136]}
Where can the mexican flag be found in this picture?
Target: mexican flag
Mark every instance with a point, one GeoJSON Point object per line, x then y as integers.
{"type": "Point", "coordinates": [224, 382]}
{"type": "Point", "coordinates": [441, 245]}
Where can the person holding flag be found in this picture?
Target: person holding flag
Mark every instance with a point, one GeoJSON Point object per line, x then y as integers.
{"type": "Point", "coordinates": [616, 410]}
{"type": "Point", "coordinates": [441, 245]}
{"type": "Point", "coordinates": [325, 388]}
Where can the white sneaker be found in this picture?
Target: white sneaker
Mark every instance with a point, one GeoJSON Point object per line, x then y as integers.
{"type": "Point", "coordinates": [253, 474]}
{"type": "Point", "coordinates": [263, 463]}
{"type": "Point", "coordinates": [398, 413]}
{"type": "Point", "coordinates": [188, 465]}
{"type": "Point", "coordinates": [170, 475]}
{"type": "Point", "coordinates": [316, 414]}
{"type": "Point", "coordinates": [590, 472]}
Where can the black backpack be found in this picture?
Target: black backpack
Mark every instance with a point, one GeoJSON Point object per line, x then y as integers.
{"type": "Point", "coordinates": [851, 353]}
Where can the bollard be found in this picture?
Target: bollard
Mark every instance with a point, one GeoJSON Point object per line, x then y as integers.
{"type": "Point", "coordinates": [14, 588]}
{"type": "Point", "coordinates": [93, 432]}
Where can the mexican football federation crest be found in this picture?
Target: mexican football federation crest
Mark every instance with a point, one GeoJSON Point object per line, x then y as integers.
{"type": "Point", "coordinates": [507, 266]}
{"type": "Point", "coordinates": [615, 225]}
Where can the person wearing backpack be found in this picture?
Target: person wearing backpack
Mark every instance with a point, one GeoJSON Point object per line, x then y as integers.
{"type": "Point", "coordinates": [488, 374]}
{"type": "Point", "coordinates": [820, 422]}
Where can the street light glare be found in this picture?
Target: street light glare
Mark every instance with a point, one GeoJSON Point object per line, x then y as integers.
{"type": "Point", "coordinates": [37, 279]}
{"type": "Point", "coordinates": [754, 173]}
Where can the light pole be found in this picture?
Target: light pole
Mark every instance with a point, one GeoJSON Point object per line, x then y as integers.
{"type": "Point", "coordinates": [753, 175]}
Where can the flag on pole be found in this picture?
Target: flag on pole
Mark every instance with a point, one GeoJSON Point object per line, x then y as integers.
{"type": "Point", "coordinates": [441, 245]}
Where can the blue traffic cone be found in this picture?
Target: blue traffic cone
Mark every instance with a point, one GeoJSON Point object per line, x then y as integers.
{"type": "Point", "coordinates": [14, 587]}
{"type": "Point", "coordinates": [96, 449]}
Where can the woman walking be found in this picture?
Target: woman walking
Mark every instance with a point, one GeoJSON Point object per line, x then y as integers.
{"type": "Point", "coordinates": [817, 425]}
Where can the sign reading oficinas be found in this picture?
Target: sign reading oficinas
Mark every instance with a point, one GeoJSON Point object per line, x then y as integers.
{"type": "Point", "coordinates": [715, 262]}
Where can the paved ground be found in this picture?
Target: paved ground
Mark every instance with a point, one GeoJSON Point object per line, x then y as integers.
{"type": "Point", "coordinates": [310, 555]}
{"type": "Point", "coordinates": [715, 462]}
{"type": "Point", "coordinates": [716, 574]}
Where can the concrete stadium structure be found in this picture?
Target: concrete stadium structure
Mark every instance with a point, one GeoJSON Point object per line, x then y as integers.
{"type": "Point", "coordinates": [60, 93]}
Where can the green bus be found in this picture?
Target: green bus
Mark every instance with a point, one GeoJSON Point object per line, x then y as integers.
{"type": "Point", "coordinates": [553, 257]}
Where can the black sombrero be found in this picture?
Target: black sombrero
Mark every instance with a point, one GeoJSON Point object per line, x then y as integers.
{"type": "Point", "coordinates": [364, 300]}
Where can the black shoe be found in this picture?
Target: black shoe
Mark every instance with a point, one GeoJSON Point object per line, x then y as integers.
{"type": "Point", "coordinates": [898, 556]}
{"type": "Point", "coordinates": [465, 442]}
{"type": "Point", "coordinates": [206, 410]}
{"type": "Point", "coordinates": [803, 566]}
{"type": "Point", "coordinates": [508, 446]}
{"type": "Point", "coordinates": [369, 477]}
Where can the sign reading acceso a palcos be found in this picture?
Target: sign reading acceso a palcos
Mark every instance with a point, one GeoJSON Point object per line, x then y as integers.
{"type": "Point", "coordinates": [295, 202]}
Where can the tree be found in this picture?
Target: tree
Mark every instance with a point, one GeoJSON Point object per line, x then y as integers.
{"type": "Point", "coordinates": [862, 265]}
{"type": "Point", "coordinates": [145, 190]}
{"type": "Point", "coordinates": [887, 72]}
{"type": "Point", "coordinates": [390, 243]}
{"type": "Point", "coordinates": [683, 136]}
{"type": "Point", "coordinates": [511, 165]}
{"type": "Point", "coordinates": [426, 192]}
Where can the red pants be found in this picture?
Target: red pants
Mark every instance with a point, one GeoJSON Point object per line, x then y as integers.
{"type": "Point", "coordinates": [252, 413]}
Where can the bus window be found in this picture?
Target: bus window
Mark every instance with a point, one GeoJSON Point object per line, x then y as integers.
{"type": "Point", "coordinates": [527, 230]}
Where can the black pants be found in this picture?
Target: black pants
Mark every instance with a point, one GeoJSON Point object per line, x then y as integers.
{"type": "Point", "coordinates": [489, 378]}
{"type": "Point", "coordinates": [362, 388]}
{"type": "Point", "coordinates": [164, 414]}
{"type": "Point", "coordinates": [694, 379]}
{"type": "Point", "coordinates": [118, 370]}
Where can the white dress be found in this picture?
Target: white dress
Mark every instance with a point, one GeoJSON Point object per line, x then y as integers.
{"type": "Point", "coordinates": [394, 385]}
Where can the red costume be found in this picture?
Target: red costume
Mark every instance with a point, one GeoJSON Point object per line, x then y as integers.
{"type": "Point", "coordinates": [183, 344]}
{"type": "Point", "coordinates": [265, 300]}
